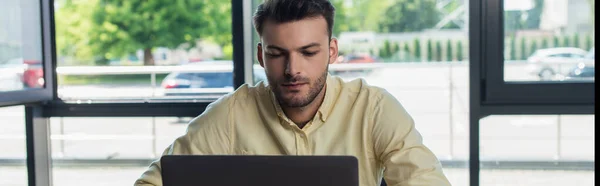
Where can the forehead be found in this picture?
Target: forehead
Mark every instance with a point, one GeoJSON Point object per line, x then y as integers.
{"type": "Point", "coordinates": [295, 33]}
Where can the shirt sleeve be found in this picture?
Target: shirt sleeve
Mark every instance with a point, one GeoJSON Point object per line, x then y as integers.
{"type": "Point", "coordinates": [208, 133]}
{"type": "Point", "coordinates": [399, 147]}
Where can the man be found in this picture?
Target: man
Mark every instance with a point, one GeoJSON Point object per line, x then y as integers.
{"type": "Point", "coordinates": [305, 111]}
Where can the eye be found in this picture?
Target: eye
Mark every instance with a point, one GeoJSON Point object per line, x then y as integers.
{"type": "Point", "coordinates": [271, 55]}
{"type": "Point", "coordinates": [309, 54]}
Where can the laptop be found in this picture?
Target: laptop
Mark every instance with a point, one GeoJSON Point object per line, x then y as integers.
{"type": "Point", "coordinates": [213, 170]}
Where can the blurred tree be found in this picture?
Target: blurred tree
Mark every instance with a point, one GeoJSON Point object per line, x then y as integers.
{"type": "Point", "coordinates": [429, 51]}
{"type": "Point", "coordinates": [417, 49]}
{"type": "Point", "coordinates": [588, 42]}
{"type": "Point", "coordinates": [449, 50]}
{"type": "Point", "coordinates": [121, 28]}
{"type": "Point", "coordinates": [409, 16]}
{"type": "Point", "coordinates": [566, 41]}
{"type": "Point", "coordinates": [360, 15]}
{"type": "Point", "coordinates": [534, 47]}
{"type": "Point", "coordinates": [555, 41]}
{"type": "Point", "coordinates": [73, 25]}
{"type": "Point", "coordinates": [523, 49]}
{"type": "Point", "coordinates": [513, 48]}
{"type": "Point", "coordinates": [407, 54]}
{"type": "Point", "coordinates": [438, 50]}
{"type": "Point", "coordinates": [459, 51]}
{"type": "Point", "coordinates": [544, 43]}
{"type": "Point", "coordinates": [576, 40]}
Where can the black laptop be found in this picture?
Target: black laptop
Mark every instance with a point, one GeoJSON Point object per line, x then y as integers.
{"type": "Point", "coordinates": [188, 170]}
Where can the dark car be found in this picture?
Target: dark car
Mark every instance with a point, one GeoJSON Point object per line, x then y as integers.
{"type": "Point", "coordinates": [581, 72]}
{"type": "Point", "coordinates": [209, 85]}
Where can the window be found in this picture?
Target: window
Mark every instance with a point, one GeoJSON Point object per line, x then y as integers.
{"type": "Point", "coordinates": [140, 50]}
{"type": "Point", "coordinates": [23, 46]}
{"type": "Point", "coordinates": [120, 148]}
{"type": "Point", "coordinates": [537, 150]}
{"type": "Point", "coordinates": [13, 166]}
{"type": "Point", "coordinates": [549, 39]}
{"type": "Point", "coordinates": [543, 52]}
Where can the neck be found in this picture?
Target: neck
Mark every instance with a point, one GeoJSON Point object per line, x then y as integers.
{"type": "Point", "coordinates": [302, 115]}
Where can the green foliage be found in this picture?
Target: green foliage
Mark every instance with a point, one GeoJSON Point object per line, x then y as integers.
{"type": "Point", "coordinates": [417, 48]}
{"type": "Point", "coordinates": [110, 29]}
{"type": "Point", "coordinates": [588, 42]}
{"type": "Point", "coordinates": [459, 51]}
{"type": "Point", "coordinates": [544, 43]}
{"type": "Point", "coordinates": [429, 51]}
{"type": "Point", "coordinates": [566, 41]}
{"type": "Point", "coordinates": [555, 41]}
{"type": "Point", "coordinates": [513, 48]}
{"type": "Point", "coordinates": [534, 47]}
{"type": "Point", "coordinates": [438, 51]}
{"type": "Point", "coordinates": [409, 16]}
{"type": "Point", "coordinates": [576, 40]}
{"type": "Point", "coordinates": [407, 54]}
{"type": "Point", "coordinates": [449, 50]}
{"type": "Point", "coordinates": [523, 49]}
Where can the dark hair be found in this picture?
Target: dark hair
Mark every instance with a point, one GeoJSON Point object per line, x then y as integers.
{"type": "Point", "coordinates": [283, 11]}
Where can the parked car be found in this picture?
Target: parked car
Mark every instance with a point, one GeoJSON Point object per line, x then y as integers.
{"type": "Point", "coordinates": [547, 63]}
{"type": "Point", "coordinates": [581, 72]}
{"type": "Point", "coordinates": [209, 85]}
{"type": "Point", "coordinates": [33, 77]}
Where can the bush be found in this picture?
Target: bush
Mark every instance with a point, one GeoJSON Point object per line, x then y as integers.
{"type": "Point", "coordinates": [459, 51]}
{"type": "Point", "coordinates": [417, 49]}
{"type": "Point", "coordinates": [429, 51]}
{"type": "Point", "coordinates": [438, 51]}
{"type": "Point", "coordinates": [523, 49]}
{"type": "Point", "coordinates": [407, 54]}
{"type": "Point", "coordinates": [449, 50]}
{"type": "Point", "coordinates": [544, 43]}
{"type": "Point", "coordinates": [588, 42]}
{"type": "Point", "coordinates": [513, 48]}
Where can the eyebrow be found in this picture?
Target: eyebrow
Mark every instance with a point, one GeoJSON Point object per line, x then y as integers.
{"type": "Point", "coordinates": [301, 48]}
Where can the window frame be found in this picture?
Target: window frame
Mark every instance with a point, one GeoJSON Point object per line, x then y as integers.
{"type": "Point", "coordinates": [46, 93]}
{"type": "Point", "coordinates": [500, 92]}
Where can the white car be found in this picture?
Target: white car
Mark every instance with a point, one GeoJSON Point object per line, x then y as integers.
{"type": "Point", "coordinates": [549, 62]}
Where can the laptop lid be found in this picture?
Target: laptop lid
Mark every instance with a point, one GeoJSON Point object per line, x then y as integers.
{"type": "Point", "coordinates": [188, 170]}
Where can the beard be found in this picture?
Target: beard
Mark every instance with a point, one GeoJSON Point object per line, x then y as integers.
{"type": "Point", "coordinates": [315, 87]}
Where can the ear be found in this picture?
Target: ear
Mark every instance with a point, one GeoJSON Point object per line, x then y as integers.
{"type": "Point", "coordinates": [259, 54]}
{"type": "Point", "coordinates": [333, 50]}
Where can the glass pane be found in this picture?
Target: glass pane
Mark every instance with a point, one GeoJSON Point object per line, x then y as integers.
{"type": "Point", "coordinates": [549, 40]}
{"type": "Point", "coordinates": [418, 51]}
{"type": "Point", "coordinates": [20, 45]}
{"type": "Point", "coordinates": [13, 167]}
{"type": "Point", "coordinates": [158, 49]}
{"type": "Point", "coordinates": [537, 150]}
{"type": "Point", "coordinates": [120, 148]}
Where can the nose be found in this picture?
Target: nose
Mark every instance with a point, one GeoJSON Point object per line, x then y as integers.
{"type": "Point", "coordinates": [293, 65]}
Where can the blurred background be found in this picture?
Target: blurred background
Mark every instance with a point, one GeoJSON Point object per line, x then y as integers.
{"type": "Point", "coordinates": [182, 50]}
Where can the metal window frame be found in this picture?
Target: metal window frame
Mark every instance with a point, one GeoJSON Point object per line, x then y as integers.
{"type": "Point", "coordinates": [37, 95]}
{"type": "Point", "coordinates": [491, 95]}
{"type": "Point", "coordinates": [572, 95]}
{"type": "Point", "coordinates": [242, 72]}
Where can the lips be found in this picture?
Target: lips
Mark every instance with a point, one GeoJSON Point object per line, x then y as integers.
{"type": "Point", "coordinates": [293, 85]}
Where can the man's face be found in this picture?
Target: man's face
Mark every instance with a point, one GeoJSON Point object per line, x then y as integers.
{"type": "Point", "coordinates": [295, 56]}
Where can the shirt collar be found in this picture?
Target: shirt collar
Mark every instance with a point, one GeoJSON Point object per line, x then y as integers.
{"type": "Point", "coordinates": [331, 93]}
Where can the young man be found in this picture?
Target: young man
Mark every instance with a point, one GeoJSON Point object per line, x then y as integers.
{"type": "Point", "coordinates": [305, 111]}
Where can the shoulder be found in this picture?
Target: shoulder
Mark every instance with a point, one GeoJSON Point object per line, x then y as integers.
{"type": "Point", "coordinates": [217, 114]}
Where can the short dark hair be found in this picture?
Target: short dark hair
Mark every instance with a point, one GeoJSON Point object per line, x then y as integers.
{"type": "Point", "coordinates": [283, 11]}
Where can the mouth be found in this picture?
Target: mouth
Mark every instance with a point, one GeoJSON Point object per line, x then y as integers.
{"type": "Point", "coordinates": [293, 85]}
